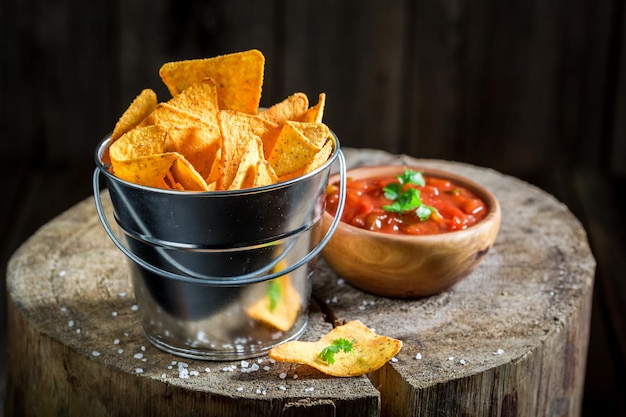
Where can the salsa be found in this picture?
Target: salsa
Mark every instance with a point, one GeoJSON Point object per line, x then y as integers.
{"type": "Point", "coordinates": [450, 206]}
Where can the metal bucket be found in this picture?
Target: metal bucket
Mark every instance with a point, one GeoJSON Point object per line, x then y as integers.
{"type": "Point", "coordinates": [200, 261]}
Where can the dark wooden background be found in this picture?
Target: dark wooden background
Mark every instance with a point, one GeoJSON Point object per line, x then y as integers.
{"type": "Point", "coordinates": [531, 88]}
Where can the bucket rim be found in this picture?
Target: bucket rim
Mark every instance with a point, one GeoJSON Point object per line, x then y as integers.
{"type": "Point", "coordinates": [104, 168]}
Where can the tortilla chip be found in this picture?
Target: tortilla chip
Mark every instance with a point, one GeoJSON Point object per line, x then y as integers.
{"type": "Point", "coordinates": [291, 108]}
{"type": "Point", "coordinates": [166, 170]}
{"type": "Point", "coordinates": [139, 109]}
{"type": "Point", "coordinates": [136, 143]}
{"type": "Point", "coordinates": [315, 114]}
{"type": "Point", "coordinates": [195, 136]}
{"type": "Point", "coordinates": [265, 174]}
{"type": "Point", "coordinates": [237, 129]}
{"type": "Point", "coordinates": [316, 133]}
{"type": "Point", "coordinates": [292, 151]}
{"type": "Point", "coordinates": [279, 308]}
{"type": "Point", "coordinates": [369, 351]}
{"type": "Point", "coordinates": [201, 100]}
{"type": "Point", "coordinates": [238, 76]}
{"type": "Point", "coordinates": [252, 153]}
{"type": "Point", "coordinates": [320, 158]}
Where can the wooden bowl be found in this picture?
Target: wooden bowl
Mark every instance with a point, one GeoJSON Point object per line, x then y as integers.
{"type": "Point", "coordinates": [408, 265]}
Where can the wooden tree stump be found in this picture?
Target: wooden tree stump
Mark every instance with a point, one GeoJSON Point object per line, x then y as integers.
{"type": "Point", "coordinates": [509, 340]}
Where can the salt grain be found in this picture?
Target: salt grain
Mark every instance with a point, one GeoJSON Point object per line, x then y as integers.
{"type": "Point", "coordinates": [62, 273]}
{"type": "Point", "coordinates": [138, 355]}
{"type": "Point", "coordinates": [462, 361]}
{"type": "Point", "coordinates": [139, 370]}
{"type": "Point", "coordinates": [394, 359]}
{"type": "Point", "coordinates": [134, 307]}
{"type": "Point", "coordinates": [122, 294]}
{"type": "Point", "coordinates": [418, 356]}
{"type": "Point", "coordinates": [499, 352]}
{"type": "Point", "coordinates": [120, 351]}
{"type": "Point", "coordinates": [114, 313]}
{"type": "Point", "coordinates": [451, 358]}
{"type": "Point", "coordinates": [116, 341]}
{"type": "Point", "coordinates": [282, 375]}
{"type": "Point", "coordinates": [309, 389]}
{"type": "Point", "coordinates": [70, 323]}
{"type": "Point", "coordinates": [95, 353]}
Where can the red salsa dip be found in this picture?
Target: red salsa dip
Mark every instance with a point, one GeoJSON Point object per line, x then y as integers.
{"type": "Point", "coordinates": [456, 207]}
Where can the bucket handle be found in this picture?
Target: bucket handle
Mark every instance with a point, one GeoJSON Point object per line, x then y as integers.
{"type": "Point", "coordinates": [250, 278]}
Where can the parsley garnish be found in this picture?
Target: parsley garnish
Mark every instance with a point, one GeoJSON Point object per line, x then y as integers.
{"type": "Point", "coordinates": [407, 199]}
{"type": "Point", "coordinates": [274, 292]}
{"type": "Point", "coordinates": [328, 353]}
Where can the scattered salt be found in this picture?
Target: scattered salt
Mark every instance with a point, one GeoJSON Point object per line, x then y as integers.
{"type": "Point", "coordinates": [134, 307]}
{"type": "Point", "coordinates": [95, 353]}
{"type": "Point", "coordinates": [77, 330]}
{"type": "Point", "coordinates": [70, 323]}
{"type": "Point", "coordinates": [462, 361]}
{"type": "Point", "coordinates": [394, 359]}
{"type": "Point", "coordinates": [62, 273]}
{"type": "Point", "coordinates": [207, 369]}
{"type": "Point", "coordinates": [116, 341]}
{"type": "Point", "coordinates": [163, 376]}
{"type": "Point", "coordinates": [64, 309]}
{"type": "Point", "coordinates": [138, 355]}
{"type": "Point", "coordinates": [282, 387]}
{"type": "Point", "coordinates": [122, 294]}
{"type": "Point", "coordinates": [282, 375]}
{"type": "Point", "coordinates": [139, 370]}
{"type": "Point", "coordinates": [499, 352]}
{"type": "Point", "coordinates": [114, 313]}
{"type": "Point", "coordinates": [309, 389]}
{"type": "Point", "coordinates": [451, 358]}
{"type": "Point", "coordinates": [120, 351]}
{"type": "Point", "coordinates": [239, 388]}
{"type": "Point", "coordinates": [418, 356]}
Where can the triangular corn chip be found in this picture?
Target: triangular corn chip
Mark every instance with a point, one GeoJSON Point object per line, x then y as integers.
{"type": "Point", "coordinates": [316, 133]}
{"type": "Point", "coordinates": [237, 129]}
{"type": "Point", "coordinates": [291, 108]}
{"type": "Point", "coordinates": [292, 151]}
{"type": "Point", "coordinates": [368, 351]}
{"type": "Point", "coordinates": [138, 110]}
{"type": "Point", "coordinates": [280, 306]}
{"type": "Point", "coordinates": [315, 114]}
{"type": "Point", "coordinates": [238, 76]}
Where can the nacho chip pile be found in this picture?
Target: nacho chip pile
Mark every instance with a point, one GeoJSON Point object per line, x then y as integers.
{"type": "Point", "coordinates": [363, 351]}
{"type": "Point", "coordinates": [211, 135]}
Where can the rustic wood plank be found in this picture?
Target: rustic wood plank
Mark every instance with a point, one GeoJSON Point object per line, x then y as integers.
{"type": "Point", "coordinates": [355, 55]}
{"type": "Point", "coordinates": [607, 237]}
{"type": "Point", "coordinates": [618, 127]}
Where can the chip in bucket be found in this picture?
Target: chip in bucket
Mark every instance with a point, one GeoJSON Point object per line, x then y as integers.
{"type": "Point", "coordinates": [211, 135]}
{"type": "Point", "coordinates": [348, 350]}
